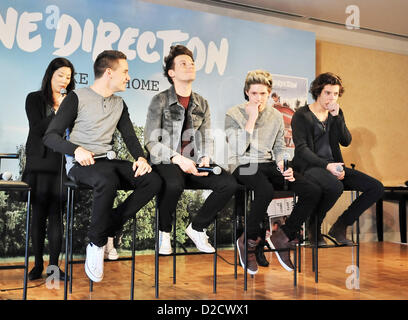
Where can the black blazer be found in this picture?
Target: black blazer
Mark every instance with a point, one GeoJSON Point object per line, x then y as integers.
{"type": "Point", "coordinates": [302, 133]}
{"type": "Point", "coordinates": [39, 157]}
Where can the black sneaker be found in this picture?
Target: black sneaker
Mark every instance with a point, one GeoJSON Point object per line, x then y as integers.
{"type": "Point", "coordinates": [338, 232]}
{"type": "Point", "coordinates": [252, 244]}
{"type": "Point", "coordinates": [280, 242]}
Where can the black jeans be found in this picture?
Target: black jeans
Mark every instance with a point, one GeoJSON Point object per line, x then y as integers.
{"type": "Point", "coordinates": [371, 190]}
{"type": "Point", "coordinates": [263, 182]}
{"type": "Point", "coordinates": [106, 177]}
{"type": "Point", "coordinates": [175, 181]}
{"type": "Point", "coordinates": [46, 205]}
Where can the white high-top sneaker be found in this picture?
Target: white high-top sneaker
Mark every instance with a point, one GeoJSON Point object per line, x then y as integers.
{"type": "Point", "coordinates": [200, 239]}
{"type": "Point", "coordinates": [164, 243]}
{"type": "Point", "coordinates": [110, 250]}
{"type": "Point", "coordinates": [94, 262]}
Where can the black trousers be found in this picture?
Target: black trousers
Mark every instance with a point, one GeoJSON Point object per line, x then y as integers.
{"type": "Point", "coordinates": [263, 182]}
{"type": "Point", "coordinates": [46, 205]}
{"type": "Point", "coordinates": [106, 177]}
{"type": "Point", "coordinates": [175, 181]}
{"type": "Point", "coordinates": [332, 188]}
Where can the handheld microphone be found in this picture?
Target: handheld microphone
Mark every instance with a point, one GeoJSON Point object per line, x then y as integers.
{"type": "Point", "coordinates": [285, 167]}
{"type": "Point", "coordinates": [63, 91]}
{"type": "Point", "coordinates": [6, 175]}
{"type": "Point", "coordinates": [339, 168]}
{"type": "Point", "coordinates": [110, 155]}
{"type": "Point", "coordinates": [214, 170]}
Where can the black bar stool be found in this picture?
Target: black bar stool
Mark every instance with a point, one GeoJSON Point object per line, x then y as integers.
{"type": "Point", "coordinates": [19, 186]}
{"type": "Point", "coordinates": [174, 254]}
{"type": "Point", "coordinates": [72, 187]}
{"type": "Point", "coordinates": [356, 243]}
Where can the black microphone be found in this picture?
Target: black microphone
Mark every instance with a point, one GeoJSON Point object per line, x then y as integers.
{"type": "Point", "coordinates": [63, 91]}
{"type": "Point", "coordinates": [6, 175]}
{"type": "Point", "coordinates": [285, 167]}
{"type": "Point", "coordinates": [110, 155]}
{"type": "Point", "coordinates": [214, 170]}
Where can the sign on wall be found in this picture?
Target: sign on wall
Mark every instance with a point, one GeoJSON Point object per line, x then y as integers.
{"type": "Point", "coordinates": [32, 33]}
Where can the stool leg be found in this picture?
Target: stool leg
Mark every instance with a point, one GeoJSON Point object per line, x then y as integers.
{"type": "Point", "coordinates": [174, 248]}
{"type": "Point", "coordinates": [215, 257]}
{"type": "Point", "coordinates": [71, 249]}
{"type": "Point", "coordinates": [295, 266]}
{"type": "Point", "coordinates": [403, 219]}
{"type": "Point", "coordinates": [156, 252]}
{"type": "Point", "coordinates": [27, 242]}
{"type": "Point", "coordinates": [132, 281]}
{"type": "Point", "coordinates": [316, 253]}
{"type": "Point", "coordinates": [234, 239]}
{"type": "Point", "coordinates": [67, 242]}
{"type": "Point", "coordinates": [245, 242]}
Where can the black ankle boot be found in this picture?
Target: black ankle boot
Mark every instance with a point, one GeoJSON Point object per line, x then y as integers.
{"type": "Point", "coordinates": [311, 235]}
{"type": "Point", "coordinates": [35, 273]}
{"type": "Point", "coordinates": [338, 231]}
{"type": "Point", "coordinates": [260, 255]}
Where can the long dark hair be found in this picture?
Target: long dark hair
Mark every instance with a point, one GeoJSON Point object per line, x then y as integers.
{"type": "Point", "coordinates": [54, 65]}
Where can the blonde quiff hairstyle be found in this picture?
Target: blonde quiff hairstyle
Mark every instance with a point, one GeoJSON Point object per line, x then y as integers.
{"type": "Point", "coordinates": [257, 77]}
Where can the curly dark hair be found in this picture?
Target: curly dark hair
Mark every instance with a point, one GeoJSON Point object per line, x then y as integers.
{"type": "Point", "coordinates": [322, 80]}
{"type": "Point", "coordinates": [175, 51]}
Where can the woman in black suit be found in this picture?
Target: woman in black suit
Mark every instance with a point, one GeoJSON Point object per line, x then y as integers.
{"type": "Point", "coordinates": [44, 168]}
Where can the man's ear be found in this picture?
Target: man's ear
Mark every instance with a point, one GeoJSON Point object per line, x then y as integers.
{"type": "Point", "coordinates": [171, 73]}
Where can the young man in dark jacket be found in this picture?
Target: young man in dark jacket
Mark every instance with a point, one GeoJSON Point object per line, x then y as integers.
{"type": "Point", "coordinates": [318, 131]}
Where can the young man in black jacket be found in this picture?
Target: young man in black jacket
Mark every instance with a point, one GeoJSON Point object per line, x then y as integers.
{"type": "Point", "coordinates": [93, 113]}
{"type": "Point", "coordinates": [318, 131]}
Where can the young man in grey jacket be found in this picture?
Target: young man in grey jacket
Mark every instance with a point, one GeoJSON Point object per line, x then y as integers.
{"type": "Point", "coordinates": [178, 139]}
{"type": "Point", "coordinates": [256, 149]}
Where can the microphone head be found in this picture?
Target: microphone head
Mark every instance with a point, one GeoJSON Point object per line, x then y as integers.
{"type": "Point", "coordinates": [286, 156]}
{"type": "Point", "coordinates": [217, 170]}
{"type": "Point", "coordinates": [339, 168]}
{"type": "Point", "coordinates": [111, 155]}
{"type": "Point", "coordinates": [6, 175]}
{"type": "Point", "coordinates": [63, 91]}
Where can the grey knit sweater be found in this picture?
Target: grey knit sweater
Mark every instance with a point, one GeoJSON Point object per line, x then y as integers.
{"type": "Point", "coordinates": [265, 144]}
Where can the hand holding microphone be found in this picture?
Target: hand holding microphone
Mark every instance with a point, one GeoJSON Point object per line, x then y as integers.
{"type": "Point", "coordinates": [286, 171]}
{"type": "Point", "coordinates": [86, 158]}
{"type": "Point", "coordinates": [336, 169]}
{"type": "Point", "coordinates": [63, 93]}
{"type": "Point", "coordinates": [214, 170]}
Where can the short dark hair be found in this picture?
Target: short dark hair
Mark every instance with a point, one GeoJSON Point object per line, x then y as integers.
{"type": "Point", "coordinates": [53, 66]}
{"type": "Point", "coordinates": [322, 80]}
{"type": "Point", "coordinates": [107, 59]}
{"type": "Point", "coordinates": [175, 51]}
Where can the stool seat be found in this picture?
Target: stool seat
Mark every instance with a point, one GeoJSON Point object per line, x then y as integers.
{"type": "Point", "coordinates": [14, 186]}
